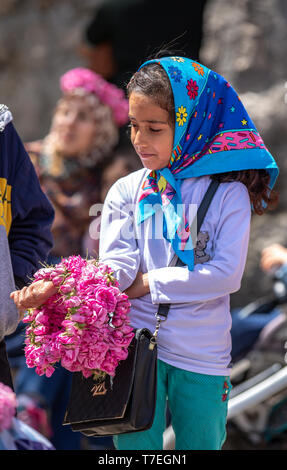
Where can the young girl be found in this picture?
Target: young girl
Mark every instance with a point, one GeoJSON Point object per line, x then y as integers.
{"type": "Point", "coordinates": [187, 126]}
{"type": "Point", "coordinates": [187, 123]}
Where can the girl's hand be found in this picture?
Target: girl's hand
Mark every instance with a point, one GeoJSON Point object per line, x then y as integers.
{"type": "Point", "coordinates": [139, 287]}
{"type": "Point", "coordinates": [273, 256]}
{"type": "Point", "coordinates": [33, 296]}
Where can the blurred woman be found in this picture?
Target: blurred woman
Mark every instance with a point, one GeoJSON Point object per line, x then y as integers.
{"type": "Point", "coordinates": [84, 133]}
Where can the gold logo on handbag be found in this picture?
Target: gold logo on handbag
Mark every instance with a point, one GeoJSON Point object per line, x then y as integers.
{"type": "Point", "coordinates": [99, 389]}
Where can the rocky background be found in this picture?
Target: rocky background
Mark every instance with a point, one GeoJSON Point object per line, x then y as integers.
{"type": "Point", "coordinates": [38, 42]}
{"type": "Point", "coordinates": [244, 40]}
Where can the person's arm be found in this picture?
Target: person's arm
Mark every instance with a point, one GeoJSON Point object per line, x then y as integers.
{"type": "Point", "coordinates": [273, 257]}
{"type": "Point", "coordinates": [222, 274]}
{"type": "Point", "coordinates": [29, 237]}
{"type": "Point", "coordinates": [9, 317]}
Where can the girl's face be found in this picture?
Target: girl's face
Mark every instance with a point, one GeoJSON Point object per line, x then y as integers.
{"type": "Point", "coordinates": [74, 127]}
{"type": "Point", "coordinates": [151, 131]}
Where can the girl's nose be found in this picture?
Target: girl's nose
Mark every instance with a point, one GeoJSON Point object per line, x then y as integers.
{"type": "Point", "coordinates": [139, 139]}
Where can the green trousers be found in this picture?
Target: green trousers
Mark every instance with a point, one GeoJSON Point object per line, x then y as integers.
{"type": "Point", "coordinates": [198, 407]}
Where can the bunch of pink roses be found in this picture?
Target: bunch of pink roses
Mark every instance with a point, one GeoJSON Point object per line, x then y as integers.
{"type": "Point", "coordinates": [7, 406]}
{"type": "Point", "coordinates": [85, 326]}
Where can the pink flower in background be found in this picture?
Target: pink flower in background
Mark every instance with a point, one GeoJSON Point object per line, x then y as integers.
{"type": "Point", "coordinates": [7, 406]}
{"type": "Point", "coordinates": [85, 326]}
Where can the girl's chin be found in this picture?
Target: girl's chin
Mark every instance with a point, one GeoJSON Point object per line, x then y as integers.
{"type": "Point", "coordinates": [150, 165]}
{"type": "Point", "coordinates": [154, 163]}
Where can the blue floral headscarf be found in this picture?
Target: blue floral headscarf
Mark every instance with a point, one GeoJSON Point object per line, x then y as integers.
{"type": "Point", "coordinates": [213, 134]}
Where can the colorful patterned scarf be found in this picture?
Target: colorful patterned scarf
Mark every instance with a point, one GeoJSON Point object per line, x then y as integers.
{"type": "Point", "coordinates": [213, 134]}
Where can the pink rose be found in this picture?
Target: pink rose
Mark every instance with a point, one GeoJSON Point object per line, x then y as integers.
{"type": "Point", "coordinates": [73, 302]}
{"type": "Point", "coordinates": [105, 296]}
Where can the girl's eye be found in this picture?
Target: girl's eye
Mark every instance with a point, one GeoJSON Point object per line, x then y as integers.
{"type": "Point", "coordinates": [132, 125]}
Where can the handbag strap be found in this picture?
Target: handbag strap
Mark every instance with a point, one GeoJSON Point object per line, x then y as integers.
{"type": "Point", "coordinates": [163, 309]}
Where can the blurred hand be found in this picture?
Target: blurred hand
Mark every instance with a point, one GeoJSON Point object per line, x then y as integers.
{"type": "Point", "coordinates": [139, 287]}
{"type": "Point", "coordinates": [33, 296]}
{"type": "Point", "coordinates": [273, 256]}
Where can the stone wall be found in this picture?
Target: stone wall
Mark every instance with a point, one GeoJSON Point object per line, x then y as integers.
{"type": "Point", "coordinates": [38, 42]}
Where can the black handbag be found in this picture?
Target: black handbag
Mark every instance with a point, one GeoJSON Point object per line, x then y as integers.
{"type": "Point", "coordinates": [122, 404]}
{"type": "Point", "coordinates": [126, 402]}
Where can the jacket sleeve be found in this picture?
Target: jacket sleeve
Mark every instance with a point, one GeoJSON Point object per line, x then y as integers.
{"type": "Point", "coordinates": [29, 237]}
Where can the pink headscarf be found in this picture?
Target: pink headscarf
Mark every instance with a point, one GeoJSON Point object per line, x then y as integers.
{"type": "Point", "coordinates": [92, 83]}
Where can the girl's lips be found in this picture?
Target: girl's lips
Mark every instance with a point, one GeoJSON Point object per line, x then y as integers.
{"type": "Point", "coordinates": [146, 155]}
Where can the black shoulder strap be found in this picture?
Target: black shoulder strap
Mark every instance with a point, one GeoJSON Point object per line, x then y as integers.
{"type": "Point", "coordinates": [163, 309]}
{"type": "Point", "coordinates": [203, 208]}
